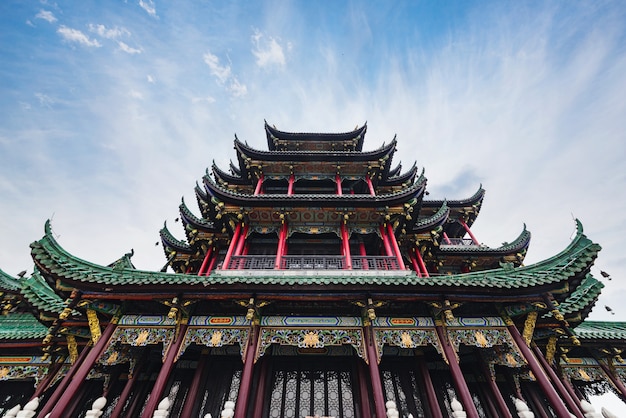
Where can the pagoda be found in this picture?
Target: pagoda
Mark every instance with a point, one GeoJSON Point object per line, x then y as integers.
{"type": "Point", "coordinates": [315, 279]}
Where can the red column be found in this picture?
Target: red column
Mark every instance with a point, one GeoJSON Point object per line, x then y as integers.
{"type": "Point", "coordinates": [259, 185]}
{"type": "Point", "coordinates": [82, 372]}
{"type": "Point", "coordinates": [446, 239]}
{"type": "Point", "coordinates": [164, 374]}
{"type": "Point", "coordinates": [282, 237]}
{"type": "Point", "coordinates": [431, 395]}
{"type": "Point", "coordinates": [52, 372]}
{"type": "Point", "coordinates": [205, 261]}
{"type": "Point", "coordinates": [416, 266]}
{"type": "Point", "coordinates": [396, 248]}
{"type": "Point", "coordinates": [386, 244]}
{"type": "Point", "coordinates": [421, 263]}
{"type": "Point", "coordinates": [128, 388]}
{"type": "Point", "coordinates": [469, 232]}
{"type": "Point", "coordinates": [338, 181]}
{"type": "Point", "coordinates": [462, 390]}
{"type": "Point", "coordinates": [232, 246]}
{"type": "Point", "coordinates": [617, 382]}
{"type": "Point", "coordinates": [194, 387]}
{"type": "Point", "coordinates": [212, 263]}
{"type": "Point", "coordinates": [377, 385]}
{"type": "Point", "coordinates": [503, 409]}
{"type": "Point", "coordinates": [259, 400]}
{"type": "Point", "coordinates": [370, 185]}
{"type": "Point", "coordinates": [363, 253]}
{"type": "Point", "coordinates": [241, 405]}
{"type": "Point", "coordinates": [60, 390]}
{"type": "Point", "coordinates": [572, 403]}
{"type": "Point", "coordinates": [346, 246]}
{"type": "Point", "coordinates": [365, 402]}
{"type": "Point", "coordinates": [292, 179]}
{"type": "Point", "coordinates": [548, 390]}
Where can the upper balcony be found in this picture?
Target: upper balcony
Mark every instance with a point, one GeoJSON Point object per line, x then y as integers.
{"type": "Point", "coordinates": [311, 262]}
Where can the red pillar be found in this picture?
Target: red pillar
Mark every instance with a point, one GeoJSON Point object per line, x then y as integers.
{"type": "Point", "coordinates": [363, 253]}
{"type": "Point", "coordinates": [377, 385]}
{"type": "Point", "coordinates": [573, 403]}
{"type": "Point", "coordinates": [446, 239]}
{"type": "Point", "coordinates": [128, 388]}
{"type": "Point", "coordinates": [282, 237]}
{"type": "Point", "coordinates": [462, 390]}
{"type": "Point", "coordinates": [617, 382]}
{"type": "Point", "coordinates": [386, 244]}
{"type": "Point", "coordinates": [365, 402]}
{"type": "Point", "coordinates": [205, 261]}
{"type": "Point", "coordinates": [396, 248]}
{"type": "Point", "coordinates": [469, 232]}
{"type": "Point", "coordinates": [164, 374]}
{"type": "Point", "coordinates": [259, 185]}
{"type": "Point", "coordinates": [370, 185]}
{"type": "Point", "coordinates": [259, 401]}
{"type": "Point", "coordinates": [78, 379]}
{"type": "Point", "coordinates": [232, 246]}
{"type": "Point", "coordinates": [421, 263]}
{"type": "Point", "coordinates": [241, 405]}
{"type": "Point", "coordinates": [503, 409]}
{"type": "Point", "coordinates": [194, 387]}
{"type": "Point", "coordinates": [416, 266]}
{"type": "Point", "coordinates": [338, 181]}
{"type": "Point", "coordinates": [431, 395]}
{"type": "Point", "coordinates": [292, 179]}
{"type": "Point", "coordinates": [43, 385]}
{"type": "Point", "coordinates": [212, 263]}
{"type": "Point", "coordinates": [548, 390]}
{"type": "Point", "coordinates": [346, 246]}
{"type": "Point", "coordinates": [60, 390]}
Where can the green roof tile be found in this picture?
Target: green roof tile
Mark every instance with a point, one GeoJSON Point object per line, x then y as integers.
{"type": "Point", "coordinates": [601, 330]}
{"type": "Point", "coordinates": [20, 326]}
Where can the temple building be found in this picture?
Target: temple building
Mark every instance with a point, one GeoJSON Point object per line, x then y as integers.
{"type": "Point", "coordinates": [315, 279]}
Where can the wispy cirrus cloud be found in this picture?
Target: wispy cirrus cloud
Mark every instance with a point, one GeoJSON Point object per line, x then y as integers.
{"type": "Point", "coordinates": [75, 35]}
{"type": "Point", "coordinates": [46, 15]}
{"type": "Point", "coordinates": [108, 33]}
{"type": "Point", "coordinates": [128, 49]}
{"type": "Point", "coordinates": [224, 75]}
{"type": "Point", "coordinates": [148, 6]}
{"type": "Point", "coordinates": [267, 50]}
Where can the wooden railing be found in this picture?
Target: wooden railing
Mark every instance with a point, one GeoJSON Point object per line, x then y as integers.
{"type": "Point", "coordinates": [311, 262]}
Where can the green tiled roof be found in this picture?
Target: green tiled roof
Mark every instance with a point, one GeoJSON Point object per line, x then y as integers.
{"type": "Point", "coordinates": [7, 282]}
{"type": "Point", "coordinates": [37, 292]}
{"type": "Point", "coordinates": [601, 330]}
{"type": "Point", "coordinates": [583, 298]}
{"type": "Point", "coordinates": [20, 326]}
{"type": "Point", "coordinates": [574, 260]}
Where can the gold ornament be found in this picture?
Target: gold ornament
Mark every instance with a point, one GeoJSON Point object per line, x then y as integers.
{"type": "Point", "coordinates": [551, 349]}
{"type": "Point", "coordinates": [94, 325]}
{"type": "Point", "coordinates": [72, 348]}
{"type": "Point", "coordinates": [529, 327]}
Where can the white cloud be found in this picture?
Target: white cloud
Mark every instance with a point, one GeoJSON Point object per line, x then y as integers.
{"type": "Point", "coordinates": [74, 35]}
{"type": "Point", "coordinates": [136, 94]}
{"type": "Point", "coordinates": [45, 100]}
{"type": "Point", "coordinates": [150, 79]}
{"type": "Point", "coordinates": [128, 49]}
{"type": "Point", "coordinates": [208, 99]}
{"type": "Point", "coordinates": [237, 89]}
{"type": "Point", "coordinates": [267, 51]}
{"type": "Point", "coordinates": [108, 33]}
{"type": "Point", "coordinates": [222, 72]}
{"type": "Point", "coordinates": [46, 15]}
{"type": "Point", "coordinates": [148, 6]}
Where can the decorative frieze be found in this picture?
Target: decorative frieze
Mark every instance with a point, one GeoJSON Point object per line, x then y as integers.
{"type": "Point", "coordinates": [23, 367]}
{"type": "Point", "coordinates": [406, 338]}
{"type": "Point", "coordinates": [585, 369]}
{"type": "Point", "coordinates": [311, 321]}
{"type": "Point", "coordinates": [311, 338]}
{"type": "Point", "coordinates": [215, 337]}
{"type": "Point", "coordinates": [136, 337]}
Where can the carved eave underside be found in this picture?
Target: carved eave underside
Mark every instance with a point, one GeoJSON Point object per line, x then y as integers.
{"type": "Point", "coordinates": [281, 141]}
{"type": "Point", "coordinates": [341, 202]}
{"type": "Point", "coordinates": [464, 209]}
{"type": "Point", "coordinates": [226, 179]}
{"type": "Point", "coordinates": [280, 164]}
{"type": "Point", "coordinates": [477, 257]}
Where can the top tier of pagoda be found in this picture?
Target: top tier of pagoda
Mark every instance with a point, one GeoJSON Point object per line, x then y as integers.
{"type": "Point", "coordinates": [321, 196]}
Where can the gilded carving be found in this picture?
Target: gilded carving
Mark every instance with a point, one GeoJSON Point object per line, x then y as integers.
{"type": "Point", "coordinates": [551, 349]}
{"type": "Point", "coordinates": [529, 327]}
{"type": "Point", "coordinates": [72, 348]}
{"type": "Point", "coordinates": [94, 325]}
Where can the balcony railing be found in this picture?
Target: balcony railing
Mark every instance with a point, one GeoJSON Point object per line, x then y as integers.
{"type": "Point", "coordinates": [311, 262]}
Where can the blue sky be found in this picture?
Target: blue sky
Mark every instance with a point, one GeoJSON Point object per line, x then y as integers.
{"type": "Point", "coordinates": [111, 111]}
